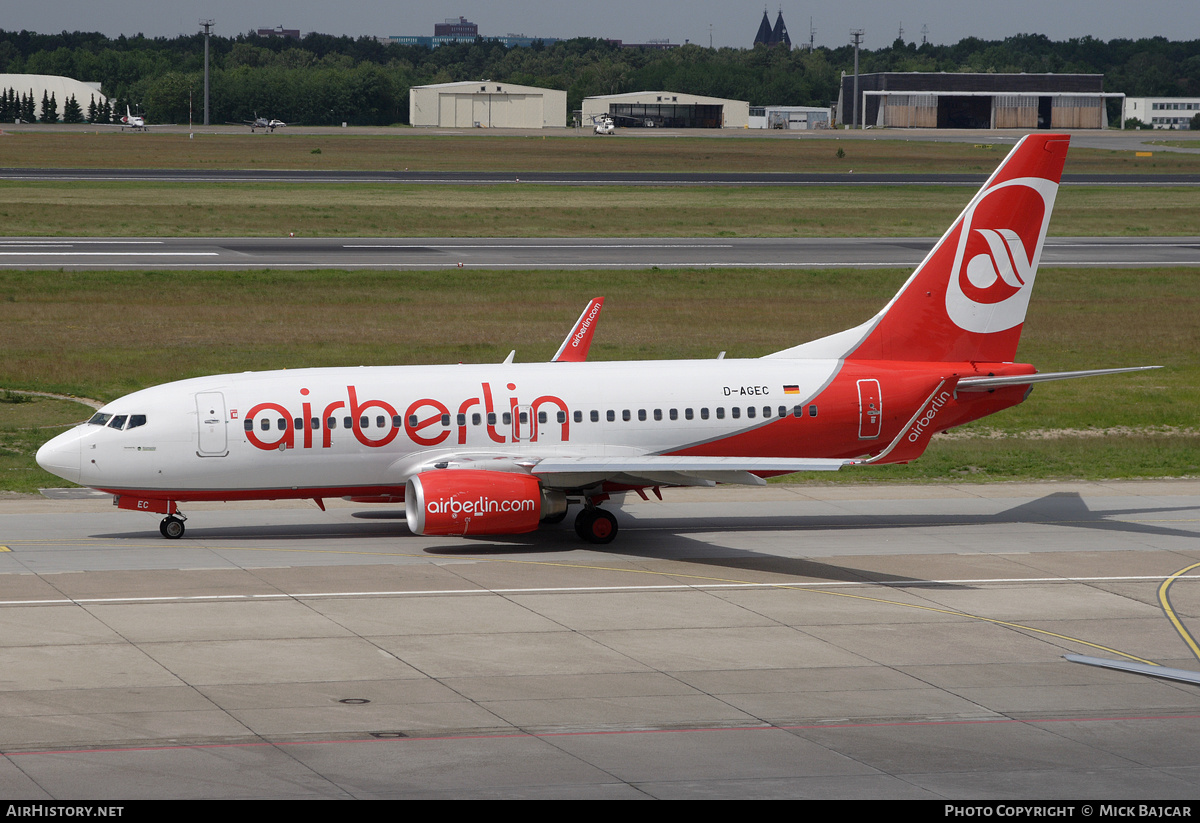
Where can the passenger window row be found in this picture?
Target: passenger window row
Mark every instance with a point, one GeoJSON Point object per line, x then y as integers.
{"type": "Point", "coordinates": [505, 418]}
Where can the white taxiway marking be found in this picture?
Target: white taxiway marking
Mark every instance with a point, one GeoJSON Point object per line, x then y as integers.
{"type": "Point", "coordinates": [1007, 581]}
{"type": "Point", "coordinates": [108, 254]}
{"type": "Point", "coordinates": [548, 246]}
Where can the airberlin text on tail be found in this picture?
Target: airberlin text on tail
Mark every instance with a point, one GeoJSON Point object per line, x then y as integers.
{"type": "Point", "coordinates": [967, 299]}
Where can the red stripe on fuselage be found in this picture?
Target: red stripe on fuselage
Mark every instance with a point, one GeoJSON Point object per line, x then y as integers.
{"type": "Point", "coordinates": [259, 494]}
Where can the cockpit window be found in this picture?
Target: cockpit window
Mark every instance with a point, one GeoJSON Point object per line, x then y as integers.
{"type": "Point", "coordinates": [119, 421]}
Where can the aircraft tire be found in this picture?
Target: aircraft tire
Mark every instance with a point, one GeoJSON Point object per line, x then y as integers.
{"type": "Point", "coordinates": [596, 526]}
{"type": "Point", "coordinates": [171, 528]}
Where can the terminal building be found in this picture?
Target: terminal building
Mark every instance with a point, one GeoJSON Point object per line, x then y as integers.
{"type": "Point", "coordinates": [942, 100]}
{"type": "Point", "coordinates": [665, 109]}
{"type": "Point", "coordinates": [1162, 112]}
{"type": "Point", "coordinates": [486, 105]}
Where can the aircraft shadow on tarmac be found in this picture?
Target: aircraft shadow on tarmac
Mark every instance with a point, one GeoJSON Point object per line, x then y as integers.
{"type": "Point", "coordinates": [670, 537]}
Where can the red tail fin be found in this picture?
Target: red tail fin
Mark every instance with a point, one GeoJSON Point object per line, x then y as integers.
{"type": "Point", "coordinates": [967, 299]}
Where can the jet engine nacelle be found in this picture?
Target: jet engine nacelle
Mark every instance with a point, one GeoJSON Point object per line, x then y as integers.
{"type": "Point", "coordinates": [473, 501]}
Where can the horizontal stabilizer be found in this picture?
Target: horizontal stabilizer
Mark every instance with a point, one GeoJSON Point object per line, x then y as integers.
{"type": "Point", "coordinates": [989, 383]}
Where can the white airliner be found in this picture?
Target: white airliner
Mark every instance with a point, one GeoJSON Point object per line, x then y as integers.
{"type": "Point", "coordinates": [499, 448]}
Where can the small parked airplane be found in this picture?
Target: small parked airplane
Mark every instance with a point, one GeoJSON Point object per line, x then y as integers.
{"type": "Point", "coordinates": [499, 448]}
{"type": "Point", "coordinates": [136, 122]}
{"type": "Point", "coordinates": [260, 123]}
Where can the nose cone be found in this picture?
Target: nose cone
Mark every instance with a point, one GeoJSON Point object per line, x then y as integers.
{"type": "Point", "coordinates": [60, 456]}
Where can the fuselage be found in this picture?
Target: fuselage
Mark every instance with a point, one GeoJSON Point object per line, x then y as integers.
{"type": "Point", "coordinates": [363, 431]}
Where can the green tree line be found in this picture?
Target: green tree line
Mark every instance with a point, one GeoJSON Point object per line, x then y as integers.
{"type": "Point", "coordinates": [322, 79]}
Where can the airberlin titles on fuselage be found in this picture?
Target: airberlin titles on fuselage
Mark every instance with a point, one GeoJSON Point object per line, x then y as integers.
{"type": "Point", "coordinates": [426, 421]}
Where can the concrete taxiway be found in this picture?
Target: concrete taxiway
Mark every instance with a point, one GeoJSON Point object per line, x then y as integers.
{"type": "Point", "coordinates": [426, 253]}
{"type": "Point", "coordinates": [793, 641]}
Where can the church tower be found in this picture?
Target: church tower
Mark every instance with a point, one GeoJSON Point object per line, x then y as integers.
{"type": "Point", "coordinates": [779, 36]}
{"type": "Point", "coordinates": [764, 31]}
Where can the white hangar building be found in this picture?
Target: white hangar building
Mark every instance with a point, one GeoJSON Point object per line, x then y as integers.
{"type": "Point", "coordinates": [61, 87]}
{"type": "Point", "coordinates": [668, 109]}
{"type": "Point", "coordinates": [487, 105]}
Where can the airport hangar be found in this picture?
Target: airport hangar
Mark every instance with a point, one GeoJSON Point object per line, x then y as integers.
{"type": "Point", "coordinates": [486, 104]}
{"type": "Point", "coordinates": [668, 110]}
{"type": "Point", "coordinates": [947, 100]}
{"type": "Point", "coordinates": [46, 84]}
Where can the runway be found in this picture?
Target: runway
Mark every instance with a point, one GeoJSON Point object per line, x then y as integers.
{"type": "Point", "coordinates": [793, 641]}
{"type": "Point", "coordinates": [550, 253]}
{"type": "Point", "coordinates": [568, 178]}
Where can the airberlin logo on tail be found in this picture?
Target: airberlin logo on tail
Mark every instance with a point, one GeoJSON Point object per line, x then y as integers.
{"type": "Point", "coordinates": [1005, 261]}
{"type": "Point", "coordinates": [999, 246]}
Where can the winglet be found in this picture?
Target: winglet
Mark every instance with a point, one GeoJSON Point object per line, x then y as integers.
{"type": "Point", "coordinates": [575, 348]}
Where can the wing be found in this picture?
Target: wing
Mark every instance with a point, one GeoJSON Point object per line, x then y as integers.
{"type": "Point", "coordinates": [668, 470]}
{"type": "Point", "coordinates": [585, 471]}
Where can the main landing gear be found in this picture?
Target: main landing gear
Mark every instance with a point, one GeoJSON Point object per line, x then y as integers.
{"type": "Point", "coordinates": [172, 526]}
{"type": "Point", "coordinates": [595, 525]}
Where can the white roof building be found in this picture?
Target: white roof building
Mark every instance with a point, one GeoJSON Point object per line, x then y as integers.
{"type": "Point", "coordinates": [488, 105]}
{"type": "Point", "coordinates": [61, 87]}
{"type": "Point", "coordinates": [667, 109]}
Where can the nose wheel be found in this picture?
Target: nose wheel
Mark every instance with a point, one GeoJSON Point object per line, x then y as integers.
{"type": "Point", "coordinates": [171, 527]}
{"type": "Point", "coordinates": [596, 526]}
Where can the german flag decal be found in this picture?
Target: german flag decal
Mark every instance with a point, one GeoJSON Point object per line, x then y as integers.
{"type": "Point", "coordinates": [792, 389]}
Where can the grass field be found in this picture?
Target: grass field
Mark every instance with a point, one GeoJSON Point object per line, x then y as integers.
{"type": "Point", "coordinates": [522, 210]}
{"type": "Point", "coordinates": [556, 151]}
{"type": "Point", "coordinates": [103, 334]}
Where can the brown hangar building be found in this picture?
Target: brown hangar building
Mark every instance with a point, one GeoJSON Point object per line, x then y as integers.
{"type": "Point", "coordinates": [942, 100]}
